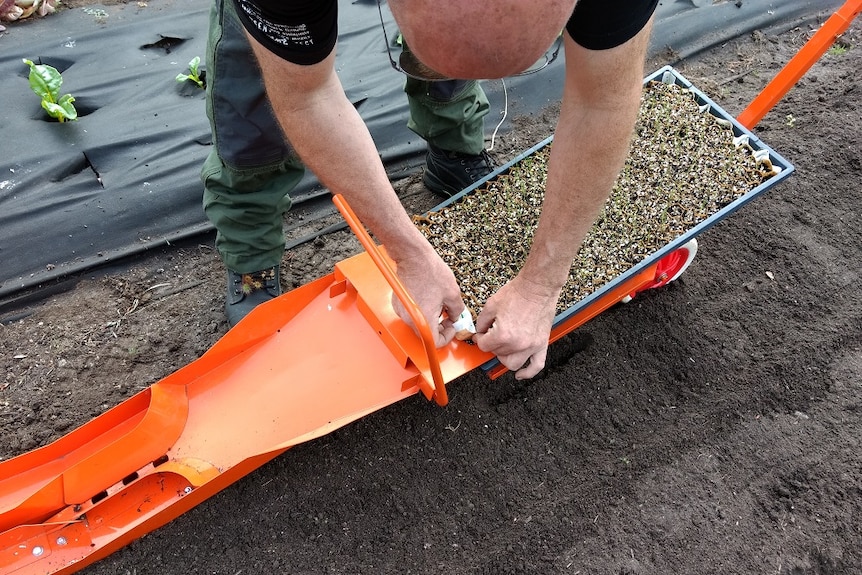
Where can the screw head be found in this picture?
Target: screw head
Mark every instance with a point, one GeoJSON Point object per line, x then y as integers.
{"type": "Point", "coordinates": [37, 550]}
{"type": "Point", "coordinates": [61, 540]}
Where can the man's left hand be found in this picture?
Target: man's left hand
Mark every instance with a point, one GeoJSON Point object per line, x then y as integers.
{"type": "Point", "coordinates": [515, 325]}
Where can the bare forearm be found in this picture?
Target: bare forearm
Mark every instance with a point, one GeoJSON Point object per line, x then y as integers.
{"type": "Point", "coordinates": [587, 154]}
{"type": "Point", "coordinates": [333, 141]}
{"type": "Point", "coordinates": [590, 146]}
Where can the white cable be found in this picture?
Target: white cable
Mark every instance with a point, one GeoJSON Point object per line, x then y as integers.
{"type": "Point", "coordinates": [505, 112]}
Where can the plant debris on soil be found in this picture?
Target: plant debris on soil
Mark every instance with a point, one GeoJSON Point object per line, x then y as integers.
{"type": "Point", "coordinates": [711, 426]}
{"type": "Point", "coordinates": [684, 165]}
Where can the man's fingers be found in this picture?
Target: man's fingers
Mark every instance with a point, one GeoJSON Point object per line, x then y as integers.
{"type": "Point", "coordinates": [534, 366]}
{"type": "Point", "coordinates": [441, 331]}
{"type": "Point", "coordinates": [525, 364]}
{"type": "Point", "coordinates": [445, 334]}
{"type": "Point", "coordinates": [486, 318]}
{"type": "Point", "coordinates": [485, 340]}
{"type": "Point", "coordinates": [454, 307]}
{"type": "Point", "coordinates": [515, 361]}
{"type": "Point", "coordinates": [499, 341]}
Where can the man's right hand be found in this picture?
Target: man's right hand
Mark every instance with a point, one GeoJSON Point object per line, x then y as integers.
{"type": "Point", "coordinates": [434, 289]}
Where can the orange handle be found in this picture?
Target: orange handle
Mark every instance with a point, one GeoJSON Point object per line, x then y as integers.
{"type": "Point", "coordinates": [440, 395]}
{"type": "Point", "coordinates": [800, 63]}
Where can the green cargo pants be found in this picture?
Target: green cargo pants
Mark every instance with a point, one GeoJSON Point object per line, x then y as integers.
{"type": "Point", "coordinates": [251, 169]}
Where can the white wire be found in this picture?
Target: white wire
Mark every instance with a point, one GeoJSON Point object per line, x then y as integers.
{"type": "Point", "coordinates": [505, 112]}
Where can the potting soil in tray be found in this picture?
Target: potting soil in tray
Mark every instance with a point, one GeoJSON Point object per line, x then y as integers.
{"type": "Point", "coordinates": [689, 165]}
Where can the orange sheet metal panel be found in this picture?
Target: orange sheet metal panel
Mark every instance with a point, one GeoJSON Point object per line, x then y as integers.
{"type": "Point", "coordinates": [295, 369]}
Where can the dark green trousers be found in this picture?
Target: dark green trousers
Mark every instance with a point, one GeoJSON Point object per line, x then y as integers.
{"type": "Point", "coordinates": [252, 168]}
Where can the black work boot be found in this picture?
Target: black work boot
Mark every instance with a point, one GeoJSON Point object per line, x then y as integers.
{"type": "Point", "coordinates": [447, 173]}
{"type": "Point", "coordinates": [247, 291]}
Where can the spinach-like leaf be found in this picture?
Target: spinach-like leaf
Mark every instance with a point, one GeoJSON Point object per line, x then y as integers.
{"type": "Point", "coordinates": [45, 81]}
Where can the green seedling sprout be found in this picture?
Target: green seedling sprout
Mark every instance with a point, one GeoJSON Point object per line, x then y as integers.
{"type": "Point", "coordinates": [194, 75]}
{"type": "Point", "coordinates": [45, 81]}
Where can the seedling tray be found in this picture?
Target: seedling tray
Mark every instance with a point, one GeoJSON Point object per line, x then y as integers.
{"type": "Point", "coordinates": [762, 154]}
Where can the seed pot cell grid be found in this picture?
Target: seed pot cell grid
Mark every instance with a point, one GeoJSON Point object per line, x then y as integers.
{"type": "Point", "coordinates": [667, 75]}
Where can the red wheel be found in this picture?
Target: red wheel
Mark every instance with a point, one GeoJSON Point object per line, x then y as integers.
{"type": "Point", "coordinates": [671, 266]}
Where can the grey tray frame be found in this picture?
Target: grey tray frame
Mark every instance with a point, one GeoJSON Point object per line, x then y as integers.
{"type": "Point", "coordinates": [667, 73]}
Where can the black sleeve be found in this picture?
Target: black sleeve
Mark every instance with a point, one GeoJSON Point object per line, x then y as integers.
{"type": "Point", "coordinates": [303, 32]}
{"type": "Point", "coordinates": [604, 24]}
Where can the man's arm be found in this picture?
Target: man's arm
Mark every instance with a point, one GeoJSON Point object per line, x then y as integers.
{"type": "Point", "coordinates": [601, 98]}
{"type": "Point", "coordinates": [333, 141]}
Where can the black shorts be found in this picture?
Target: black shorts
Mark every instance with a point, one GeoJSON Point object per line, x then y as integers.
{"type": "Point", "coordinates": [604, 24]}
{"type": "Point", "coordinates": [305, 31]}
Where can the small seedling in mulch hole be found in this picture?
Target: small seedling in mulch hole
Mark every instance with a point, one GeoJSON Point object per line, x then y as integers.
{"type": "Point", "coordinates": [195, 75]}
{"type": "Point", "coordinates": [45, 81]}
{"type": "Point", "coordinates": [840, 47]}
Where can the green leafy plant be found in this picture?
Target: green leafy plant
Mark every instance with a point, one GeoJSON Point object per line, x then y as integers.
{"type": "Point", "coordinates": [45, 81]}
{"type": "Point", "coordinates": [194, 73]}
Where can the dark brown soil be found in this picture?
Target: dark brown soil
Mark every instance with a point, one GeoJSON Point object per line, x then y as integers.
{"type": "Point", "coordinates": [712, 426]}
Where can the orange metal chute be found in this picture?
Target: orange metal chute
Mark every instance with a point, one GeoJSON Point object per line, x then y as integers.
{"type": "Point", "coordinates": [297, 368]}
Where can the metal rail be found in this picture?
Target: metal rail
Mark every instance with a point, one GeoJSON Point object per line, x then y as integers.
{"type": "Point", "coordinates": [801, 62]}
